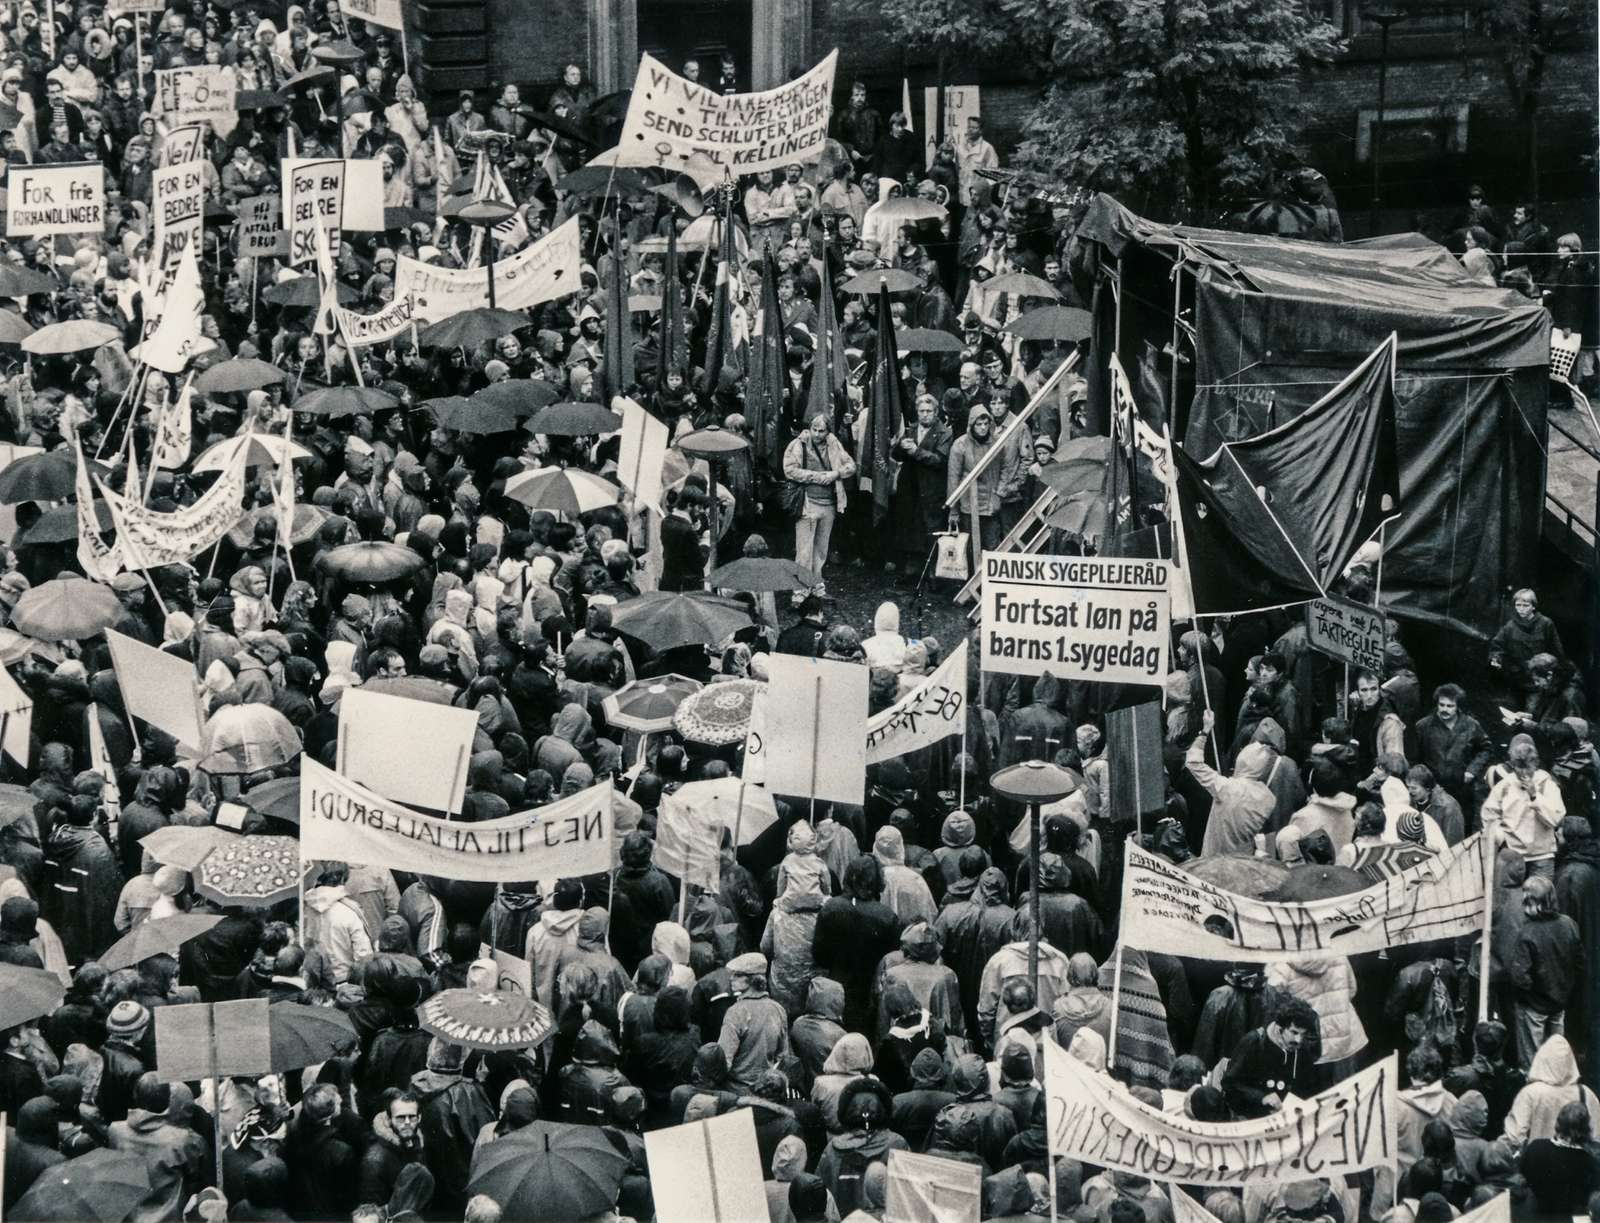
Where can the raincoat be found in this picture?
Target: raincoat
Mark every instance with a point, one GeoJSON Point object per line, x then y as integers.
{"type": "Point", "coordinates": [1329, 987]}
{"type": "Point", "coordinates": [1552, 1082]}
{"type": "Point", "coordinates": [917, 966]}
{"type": "Point", "coordinates": [335, 923]}
{"type": "Point", "coordinates": [904, 891]}
{"type": "Point", "coordinates": [787, 941]}
{"type": "Point", "coordinates": [1241, 805]}
{"type": "Point", "coordinates": [850, 1059]}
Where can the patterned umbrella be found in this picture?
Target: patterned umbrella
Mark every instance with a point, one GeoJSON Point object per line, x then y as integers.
{"type": "Point", "coordinates": [255, 872]}
{"type": "Point", "coordinates": [249, 739]}
{"type": "Point", "coordinates": [66, 609]}
{"type": "Point", "coordinates": [562, 490]}
{"type": "Point", "coordinates": [307, 1035]}
{"type": "Point", "coordinates": [103, 1186]}
{"type": "Point", "coordinates": [162, 936]}
{"type": "Point", "coordinates": [648, 704]}
{"type": "Point", "coordinates": [718, 714]}
{"type": "Point", "coordinates": [486, 1019]}
{"type": "Point", "coordinates": [547, 1172]}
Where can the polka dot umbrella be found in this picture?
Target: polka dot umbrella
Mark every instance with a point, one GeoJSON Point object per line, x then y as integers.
{"type": "Point", "coordinates": [252, 872]}
{"type": "Point", "coordinates": [718, 714]}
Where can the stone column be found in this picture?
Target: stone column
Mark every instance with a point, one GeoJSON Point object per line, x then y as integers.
{"type": "Point", "coordinates": [613, 43]}
{"type": "Point", "coordinates": [780, 34]}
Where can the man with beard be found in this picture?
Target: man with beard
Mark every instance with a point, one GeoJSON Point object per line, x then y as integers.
{"type": "Point", "coordinates": [983, 506]}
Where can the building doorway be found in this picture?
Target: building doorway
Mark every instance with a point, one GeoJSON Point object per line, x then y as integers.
{"type": "Point", "coordinates": [675, 31]}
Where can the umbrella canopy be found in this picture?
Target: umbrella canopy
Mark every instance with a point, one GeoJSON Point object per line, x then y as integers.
{"type": "Point", "coordinates": [575, 420]}
{"type": "Point", "coordinates": [910, 209]}
{"type": "Point", "coordinates": [257, 99]}
{"type": "Point", "coordinates": [260, 450]}
{"type": "Point", "coordinates": [15, 802]}
{"type": "Point", "coordinates": [1240, 874]}
{"type": "Point", "coordinates": [471, 328]}
{"type": "Point", "coordinates": [311, 76]}
{"type": "Point", "coordinates": [238, 374]}
{"type": "Point", "coordinates": [26, 994]}
{"type": "Point", "coordinates": [663, 619]}
{"type": "Point", "coordinates": [161, 936]}
{"type": "Point", "coordinates": [50, 476]}
{"type": "Point", "coordinates": [926, 339]}
{"type": "Point", "coordinates": [647, 705]}
{"type": "Point", "coordinates": [75, 335]}
{"type": "Point", "coordinates": [486, 1019]}
{"type": "Point", "coordinates": [13, 327]}
{"type": "Point", "coordinates": [467, 416]}
{"type": "Point", "coordinates": [14, 647]}
{"type": "Point", "coordinates": [185, 845]}
{"type": "Point", "coordinates": [1081, 475]}
{"type": "Point", "coordinates": [370, 562]}
{"type": "Point", "coordinates": [1065, 324]}
{"type": "Point", "coordinates": [1022, 284]}
{"type": "Point", "coordinates": [1319, 883]}
{"type": "Point", "coordinates": [305, 292]}
{"type": "Point", "coordinates": [562, 126]}
{"type": "Point", "coordinates": [520, 397]}
{"type": "Point", "coordinates": [896, 280]}
{"type": "Point", "coordinates": [345, 401]}
{"type": "Point", "coordinates": [66, 609]}
{"type": "Point", "coordinates": [762, 573]}
{"type": "Point", "coordinates": [308, 1035]}
{"type": "Point", "coordinates": [713, 439]}
{"type": "Point", "coordinates": [549, 1173]}
{"type": "Point", "coordinates": [413, 688]}
{"type": "Point", "coordinates": [255, 872]}
{"type": "Point", "coordinates": [278, 799]}
{"type": "Point", "coordinates": [562, 490]}
{"type": "Point", "coordinates": [103, 1186]}
{"type": "Point", "coordinates": [59, 524]}
{"type": "Point", "coordinates": [743, 809]}
{"type": "Point", "coordinates": [719, 714]}
{"type": "Point", "coordinates": [249, 738]}
{"type": "Point", "coordinates": [17, 281]}
{"type": "Point", "coordinates": [341, 52]}
{"type": "Point", "coordinates": [308, 520]}
{"type": "Point", "coordinates": [595, 180]}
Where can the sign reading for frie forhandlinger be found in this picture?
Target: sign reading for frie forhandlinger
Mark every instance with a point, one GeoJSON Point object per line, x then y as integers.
{"type": "Point", "coordinates": [1350, 632]}
{"type": "Point", "coordinates": [65, 199]}
{"type": "Point", "coordinates": [1101, 619]}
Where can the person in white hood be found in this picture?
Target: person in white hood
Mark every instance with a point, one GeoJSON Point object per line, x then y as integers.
{"type": "Point", "coordinates": [886, 647]}
{"type": "Point", "coordinates": [882, 232]}
{"type": "Point", "coordinates": [1420, 1103]}
{"type": "Point", "coordinates": [556, 931]}
{"type": "Point", "coordinates": [334, 923]}
{"type": "Point", "coordinates": [1552, 1082]}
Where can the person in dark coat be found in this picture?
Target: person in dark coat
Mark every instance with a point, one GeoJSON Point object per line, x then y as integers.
{"type": "Point", "coordinates": [664, 1056]}
{"type": "Point", "coordinates": [1578, 897]}
{"type": "Point", "coordinates": [854, 932]}
{"type": "Point", "coordinates": [1039, 729]}
{"type": "Point", "coordinates": [971, 931]}
{"type": "Point", "coordinates": [454, 1110]}
{"type": "Point", "coordinates": [651, 894]}
{"type": "Point", "coordinates": [19, 917]}
{"type": "Point", "coordinates": [396, 1143]}
{"type": "Point", "coordinates": [323, 1147]}
{"type": "Point", "coordinates": [683, 559]}
{"type": "Point", "coordinates": [213, 961]}
{"type": "Point", "coordinates": [915, 1108]}
{"type": "Point", "coordinates": [1545, 968]}
{"type": "Point", "coordinates": [803, 637]}
{"type": "Point", "coordinates": [1562, 1171]}
{"type": "Point", "coordinates": [923, 451]}
{"type": "Point", "coordinates": [1068, 921]}
{"type": "Point", "coordinates": [1489, 1073]}
{"type": "Point", "coordinates": [1452, 744]}
{"type": "Point", "coordinates": [82, 882]}
{"type": "Point", "coordinates": [31, 1147]}
{"type": "Point", "coordinates": [121, 1063]}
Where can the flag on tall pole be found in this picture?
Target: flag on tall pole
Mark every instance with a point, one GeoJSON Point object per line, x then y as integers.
{"type": "Point", "coordinates": [98, 559]}
{"type": "Point", "coordinates": [618, 348]}
{"type": "Point", "coordinates": [720, 341]}
{"type": "Point", "coordinates": [886, 415]}
{"type": "Point", "coordinates": [768, 361]}
{"type": "Point", "coordinates": [830, 373]}
{"type": "Point", "coordinates": [175, 433]}
{"type": "Point", "coordinates": [674, 347]}
{"type": "Point", "coordinates": [175, 337]}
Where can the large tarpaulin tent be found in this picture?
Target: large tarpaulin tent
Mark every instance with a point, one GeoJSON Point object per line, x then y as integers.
{"type": "Point", "coordinates": [1268, 325]}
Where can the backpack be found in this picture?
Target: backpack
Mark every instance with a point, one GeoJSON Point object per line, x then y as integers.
{"type": "Point", "coordinates": [1436, 1021]}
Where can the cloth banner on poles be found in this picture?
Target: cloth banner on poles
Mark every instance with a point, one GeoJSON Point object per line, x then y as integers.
{"type": "Point", "coordinates": [539, 273]}
{"type": "Point", "coordinates": [671, 118]}
{"type": "Point", "coordinates": [708, 1171]}
{"type": "Point", "coordinates": [1347, 1128]}
{"type": "Point", "coordinates": [1165, 908]}
{"type": "Point", "coordinates": [932, 711]}
{"type": "Point", "coordinates": [148, 539]}
{"type": "Point", "coordinates": [349, 823]}
{"type": "Point", "coordinates": [175, 434]}
{"type": "Point", "coordinates": [376, 12]}
{"type": "Point", "coordinates": [644, 450]}
{"type": "Point", "coordinates": [100, 762]}
{"type": "Point", "coordinates": [928, 1189]}
{"type": "Point", "coordinates": [176, 337]}
{"type": "Point", "coordinates": [363, 330]}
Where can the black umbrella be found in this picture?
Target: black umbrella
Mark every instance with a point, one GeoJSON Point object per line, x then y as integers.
{"type": "Point", "coordinates": [563, 127]}
{"type": "Point", "coordinates": [20, 282]}
{"type": "Point", "coordinates": [575, 420]}
{"type": "Point", "coordinates": [519, 396]}
{"type": "Point", "coordinates": [59, 524]}
{"type": "Point", "coordinates": [39, 477]}
{"type": "Point", "coordinates": [305, 292]}
{"type": "Point", "coordinates": [404, 218]}
{"type": "Point", "coordinates": [258, 99]}
{"type": "Point", "coordinates": [470, 328]}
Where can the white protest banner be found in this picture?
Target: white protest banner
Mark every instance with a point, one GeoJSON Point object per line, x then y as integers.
{"type": "Point", "coordinates": [689, 843]}
{"type": "Point", "coordinates": [413, 752]}
{"type": "Point", "coordinates": [361, 330]}
{"type": "Point", "coordinates": [183, 144]}
{"type": "Point", "coordinates": [928, 1189]}
{"type": "Point", "coordinates": [60, 199]}
{"type": "Point", "coordinates": [175, 433]}
{"type": "Point", "coordinates": [816, 742]}
{"type": "Point", "coordinates": [349, 823]}
{"type": "Point", "coordinates": [1351, 632]}
{"type": "Point", "coordinates": [513, 974]}
{"type": "Point", "coordinates": [542, 272]}
{"type": "Point", "coordinates": [708, 1171]}
{"type": "Point", "coordinates": [313, 199]}
{"type": "Point", "coordinates": [130, 7]}
{"type": "Point", "coordinates": [16, 718]}
{"type": "Point", "coordinates": [670, 118]}
{"type": "Point", "coordinates": [1347, 1128]}
{"type": "Point", "coordinates": [644, 450]}
{"type": "Point", "coordinates": [204, 91]}
{"type": "Point", "coordinates": [261, 234]}
{"type": "Point", "coordinates": [961, 102]}
{"type": "Point", "coordinates": [363, 197]}
{"type": "Point", "coordinates": [376, 12]}
{"type": "Point", "coordinates": [159, 688]}
{"type": "Point", "coordinates": [1165, 908]}
{"type": "Point", "coordinates": [755, 741]}
{"type": "Point", "coordinates": [932, 711]}
{"type": "Point", "coordinates": [1186, 1210]}
{"type": "Point", "coordinates": [148, 539]}
{"type": "Point", "coordinates": [1101, 619]}
{"type": "Point", "coordinates": [179, 195]}
{"type": "Point", "coordinates": [98, 559]}
{"type": "Point", "coordinates": [172, 322]}
{"type": "Point", "coordinates": [204, 1040]}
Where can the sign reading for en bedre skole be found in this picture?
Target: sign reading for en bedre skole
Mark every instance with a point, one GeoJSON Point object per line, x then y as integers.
{"type": "Point", "coordinates": [1101, 619]}
{"type": "Point", "coordinates": [1350, 632]}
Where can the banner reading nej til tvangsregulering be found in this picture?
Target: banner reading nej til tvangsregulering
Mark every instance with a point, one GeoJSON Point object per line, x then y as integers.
{"type": "Point", "coordinates": [671, 118]}
{"type": "Point", "coordinates": [1347, 1128]}
{"type": "Point", "coordinates": [539, 273]}
{"type": "Point", "coordinates": [1101, 619]}
{"type": "Point", "coordinates": [1164, 908]}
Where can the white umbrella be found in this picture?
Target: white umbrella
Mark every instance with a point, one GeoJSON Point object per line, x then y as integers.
{"type": "Point", "coordinates": [248, 738]}
{"type": "Point", "coordinates": [743, 808]}
{"type": "Point", "coordinates": [562, 490]}
{"type": "Point", "coordinates": [264, 449]}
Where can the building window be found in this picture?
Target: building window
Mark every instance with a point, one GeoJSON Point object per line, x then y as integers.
{"type": "Point", "coordinates": [1414, 133]}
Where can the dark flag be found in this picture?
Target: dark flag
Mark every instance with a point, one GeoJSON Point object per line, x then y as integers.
{"type": "Point", "coordinates": [618, 351]}
{"type": "Point", "coordinates": [719, 340]}
{"type": "Point", "coordinates": [885, 414]}
{"type": "Point", "coordinates": [764, 392]}
{"type": "Point", "coordinates": [673, 352]}
{"type": "Point", "coordinates": [830, 373]}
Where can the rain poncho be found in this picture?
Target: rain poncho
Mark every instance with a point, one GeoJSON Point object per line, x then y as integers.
{"type": "Point", "coordinates": [886, 647]}
{"type": "Point", "coordinates": [1241, 805]}
{"type": "Point", "coordinates": [1552, 1082]}
{"type": "Point", "coordinates": [904, 891]}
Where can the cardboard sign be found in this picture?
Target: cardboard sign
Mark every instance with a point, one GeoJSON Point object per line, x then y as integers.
{"type": "Point", "coordinates": [179, 203]}
{"type": "Point", "coordinates": [689, 842]}
{"type": "Point", "coordinates": [261, 234]}
{"type": "Point", "coordinates": [159, 688]}
{"type": "Point", "coordinates": [313, 199]}
{"type": "Point", "coordinates": [816, 742]}
{"type": "Point", "coordinates": [347, 822]}
{"type": "Point", "coordinates": [1106, 620]}
{"type": "Point", "coordinates": [644, 449]}
{"type": "Point", "coordinates": [671, 118]}
{"type": "Point", "coordinates": [542, 272]}
{"type": "Point", "coordinates": [363, 330]}
{"type": "Point", "coordinates": [203, 1040]}
{"type": "Point", "coordinates": [183, 145]}
{"type": "Point", "coordinates": [64, 199]}
{"type": "Point", "coordinates": [1348, 1128]}
{"type": "Point", "coordinates": [376, 12]}
{"type": "Point", "coordinates": [932, 711]}
{"type": "Point", "coordinates": [708, 1171]}
{"type": "Point", "coordinates": [961, 102]}
{"type": "Point", "coordinates": [1165, 908]}
{"type": "Point", "coordinates": [16, 718]}
{"type": "Point", "coordinates": [513, 974]}
{"type": "Point", "coordinates": [207, 91]}
{"type": "Point", "coordinates": [1351, 632]}
{"type": "Point", "coordinates": [928, 1189]}
{"type": "Point", "coordinates": [413, 752]}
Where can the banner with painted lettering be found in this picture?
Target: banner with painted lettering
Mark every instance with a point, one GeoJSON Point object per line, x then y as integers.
{"type": "Point", "coordinates": [179, 194]}
{"type": "Point", "coordinates": [671, 118]}
{"type": "Point", "coordinates": [147, 538]}
{"type": "Point", "coordinates": [1165, 908]}
{"type": "Point", "coordinates": [1351, 632]}
{"type": "Point", "coordinates": [183, 144]}
{"type": "Point", "coordinates": [350, 823]}
{"type": "Point", "coordinates": [932, 711]}
{"type": "Point", "coordinates": [1105, 620]}
{"type": "Point", "coordinates": [376, 12]}
{"type": "Point", "coordinates": [63, 199]}
{"type": "Point", "coordinates": [539, 273]}
{"type": "Point", "coordinates": [361, 330]}
{"type": "Point", "coordinates": [205, 91]}
{"type": "Point", "coordinates": [313, 199]}
{"type": "Point", "coordinates": [261, 234]}
{"type": "Point", "coordinates": [1347, 1128]}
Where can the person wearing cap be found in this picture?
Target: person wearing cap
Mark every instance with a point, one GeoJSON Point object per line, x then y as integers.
{"type": "Point", "coordinates": [755, 1030]}
{"type": "Point", "coordinates": [122, 1062]}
